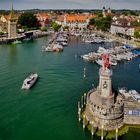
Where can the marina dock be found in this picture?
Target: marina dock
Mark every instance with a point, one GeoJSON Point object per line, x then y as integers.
{"type": "Point", "coordinates": [20, 37]}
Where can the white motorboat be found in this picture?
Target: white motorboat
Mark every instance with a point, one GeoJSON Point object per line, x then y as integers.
{"type": "Point", "coordinates": [135, 95]}
{"type": "Point", "coordinates": [88, 41]}
{"type": "Point", "coordinates": [113, 62]}
{"type": "Point", "coordinates": [99, 62]}
{"type": "Point", "coordinates": [124, 92]}
{"type": "Point", "coordinates": [29, 81]}
{"type": "Point", "coordinates": [85, 57]}
{"type": "Point", "coordinates": [61, 39]}
{"type": "Point", "coordinates": [98, 40]}
{"type": "Point", "coordinates": [63, 43]}
{"type": "Point", "coordinates": [53, 48]}
{"type": "Point", "coordinates": [16, 42]}
{"type": "Point", "coordinates": [47, 49]}
{"type": "Point", "coordinates": [57, 47]}
{"type": "Point", "coordinates": [101, 50]}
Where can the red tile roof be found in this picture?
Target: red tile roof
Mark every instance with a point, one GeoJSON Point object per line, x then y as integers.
{"type": "Point", "coordinates": [75, 17]}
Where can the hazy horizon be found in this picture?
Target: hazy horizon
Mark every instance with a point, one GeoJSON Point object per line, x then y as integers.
{"type": "Point", "coordinates": [69, 4]}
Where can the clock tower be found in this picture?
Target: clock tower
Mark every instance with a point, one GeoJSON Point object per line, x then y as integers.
{"type": "Point", "coordinates": [12, 25]}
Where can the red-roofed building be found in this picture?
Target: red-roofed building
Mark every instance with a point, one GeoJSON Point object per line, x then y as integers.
{"type": "Point", "coordinates": [74, 20]}
{"type": "Point", "coordinates": [44, 19]}
{"type": "Point", "coordinates": [4, 23]}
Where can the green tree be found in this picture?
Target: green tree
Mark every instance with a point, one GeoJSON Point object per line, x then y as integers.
{"type": "Point", "coordinates": [28, 20]}
{"type": "Point", "coordinates": [1, 33]}
{"type": "Point", "coordinates": [66, 28]}
{"type": "Point", "coordinates": [134, 13]}
{"type": "Point", "coordinates": [103, 23]}
{"type": "Point", "coordinates": [99, 13]}
{"type": "Point", "coordinates": [43, 29]}
{"type": "Point", "coordinates": [125, 13]}
{"type": "Point", "coordinates": [55, 26]}
{"type": "Point", "coordinates": [92, 21]}
{"type": "Point", "coordinates": [137, 34]}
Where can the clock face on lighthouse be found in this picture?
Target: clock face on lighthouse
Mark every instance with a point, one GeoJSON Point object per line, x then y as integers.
{"type": "Point", "coordinates": [105, 85]}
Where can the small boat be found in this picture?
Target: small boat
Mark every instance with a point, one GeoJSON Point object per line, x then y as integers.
{"type": "Point", "coordinates": [52, 48]}
{"type": "Point", "coordinates": [113, 62]}
{"type": "Point", "coordinates": [124, 92]}
{"type": "Point", "coordinates": [63, 43]}
{"type": "Point", "coordinates": [85, 57]}
{"type": "Point", "coordinates": [48, 49]}
{"type": "Point", "coordinates": [16, 42]}
{"type": "Point", "coordinates": [99, 62]}
{"type": "Point", "coordinates": [88, 41]}
{"type": "Point", "coordinates": [29, 81]}
{"type": "Point", "coordinates": [57, 47]}
{"type": "Point", "coordinates": [101, 50]}
{"type": "Point", "coordinates": [61, 39]}
{"type": "Point", "coordinates": [135, 95]}
{"type": "Point", "coordinates": [27, 39]}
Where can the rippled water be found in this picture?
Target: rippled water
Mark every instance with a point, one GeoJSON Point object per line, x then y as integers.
{"type": "Point", "coordinates": [49, 109]}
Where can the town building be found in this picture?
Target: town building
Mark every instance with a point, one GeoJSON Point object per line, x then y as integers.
{"type": "Point", "coordinates": [8, 24]}
{"type": "Point", "coordinates": [44, 19]}
{"type": "Point", "coordinates": [4, 23]}
{"type": "Point", "coordinates": [123, 25]}
{"type": "Point", "coordinates": [75, 21]}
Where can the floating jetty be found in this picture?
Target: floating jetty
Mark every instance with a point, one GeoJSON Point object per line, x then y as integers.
{"type": "Point", "coordinates": [104, 111]}
{"type": "Point", "coordinates": [56, 43]}
{"type": "Point", "coordinates": [117, 54]}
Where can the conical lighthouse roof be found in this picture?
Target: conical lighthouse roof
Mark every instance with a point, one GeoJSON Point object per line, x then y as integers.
{"type": "Point", "coordinates": [12, 14]}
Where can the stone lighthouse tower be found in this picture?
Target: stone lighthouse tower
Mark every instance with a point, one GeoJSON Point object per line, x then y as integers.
{"type": "Point", "coordinates": [105, 84]}
{"type": "Point", "coordinates": [12, 25]}
{"type": "Point", "coordinates": [103, 107]}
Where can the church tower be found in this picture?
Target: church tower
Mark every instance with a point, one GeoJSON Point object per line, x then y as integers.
{"type": "Point", "coordinates": [65, 20]}
{"type": "Point", "coordinates": [104, 12]}
{"type": "Point", "coordinates": [12, 25]}
{"type": "Point", "coordinates": [109, 11]}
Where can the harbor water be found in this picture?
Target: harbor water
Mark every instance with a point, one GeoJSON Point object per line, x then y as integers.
{"type": "Point", "coordinates": [48, 111]}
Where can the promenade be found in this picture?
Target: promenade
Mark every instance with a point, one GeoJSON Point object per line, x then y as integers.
{"type": "Point", "coordinates": [30, 34]}
{"type": "Point", "coordinates": [132, 42]}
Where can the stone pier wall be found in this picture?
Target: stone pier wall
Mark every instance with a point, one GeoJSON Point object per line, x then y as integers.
{"type": "Point", "coordinates": [132, 112]}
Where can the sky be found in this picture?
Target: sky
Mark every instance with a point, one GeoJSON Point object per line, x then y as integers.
{"type": "Point", "coordinates": [69, 4]}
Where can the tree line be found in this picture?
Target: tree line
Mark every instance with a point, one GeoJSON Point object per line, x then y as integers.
{"type": "Point", "coordinates": [101, 23]}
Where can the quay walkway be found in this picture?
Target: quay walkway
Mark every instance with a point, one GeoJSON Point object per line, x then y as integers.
{"type": "Point", "coordinates": [30, 34]}
{"type": "Point", "coordinates": [132, 112]}
{"type": "Point", "coordinates": [132, 42]}
{"type": "Point", "coordinates": [53, 39]}
{"type": "Point", "coordinates": [5, 40]}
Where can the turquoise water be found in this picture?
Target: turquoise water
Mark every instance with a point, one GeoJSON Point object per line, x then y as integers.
{"type": "Point", "coordinates": [48, 111]}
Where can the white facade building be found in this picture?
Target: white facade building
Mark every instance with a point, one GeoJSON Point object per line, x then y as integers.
{"type": "Point", "coordinates": [126, 30]}
{"type": "Point", "coordinates": [74, 21]}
